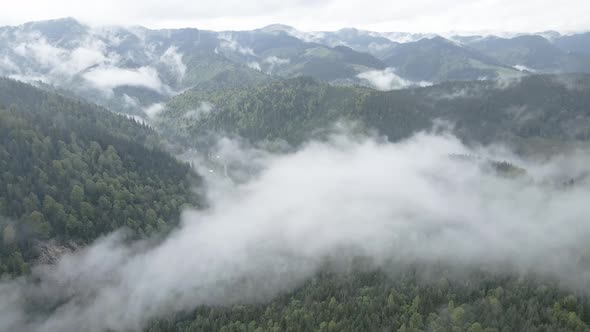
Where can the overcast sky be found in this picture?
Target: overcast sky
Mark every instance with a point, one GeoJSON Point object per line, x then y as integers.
{"type": "Point", "coordinates": [380, 15]}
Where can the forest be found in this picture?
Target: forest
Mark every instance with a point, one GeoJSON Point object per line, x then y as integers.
{"type": "Point", "coordinates": [540, 107]}
{"type": "Point", "coordinates": [274, 179]}
{"type": "Point", "coordinates": [72, 171]}
{"type": "Point", "coordinates": [400, 301]}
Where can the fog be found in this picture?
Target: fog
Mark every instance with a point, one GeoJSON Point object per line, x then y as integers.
{"type": "Point", "coordinates": [403, 202]}
{"type": "Point", "coordinates": [93, 62]}
{"type": "Point", "coordinates": [387, 79]}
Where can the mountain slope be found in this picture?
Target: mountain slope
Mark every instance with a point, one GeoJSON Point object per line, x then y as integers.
{"type": "Point", "coordinates": [276, 52]}
{"type": "Point", "coordinates": [376, 301]}
{"type": "Point", "coordinates": [71, 171]}
{"type": "Point", "coordinates": [130, 69]}
{"type": "Point", "coordinates": [438, 59]}
{"type": "Point", "coordinates": [546, 107]}
{"type": "Point", "coordinates": [577, 43]}
{"type": "Point", "coordinates": [531, 52]}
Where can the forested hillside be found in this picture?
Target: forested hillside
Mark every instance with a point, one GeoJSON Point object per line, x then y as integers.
{"type": "Point", "coordinates": [71, 171]}
{"type": "Point", "coordinates": [546, 107]}
{"type": "Point", "coordinates": [439, 60]}
{"type": "Point", "coordinates": [351, 180]}
{"type": "Point", "coordinates": [403, 302]}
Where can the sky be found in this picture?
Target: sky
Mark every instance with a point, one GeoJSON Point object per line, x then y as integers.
{"type": "Point", "coordinates": [313, 15]}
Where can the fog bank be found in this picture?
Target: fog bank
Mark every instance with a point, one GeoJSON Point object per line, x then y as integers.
{"type": "Point", "coordinates": [405, 202]}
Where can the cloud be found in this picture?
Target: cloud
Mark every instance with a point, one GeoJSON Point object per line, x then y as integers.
{"type": "Point", "coordinates": [405, 203]}
{"type": "Point", "coordinates": [506, 80]}
{"type": "Point", "coordinates": [227, 41]}
{"type": "Point", "coordinates": [254, 65]}
{"type": "Point", "coordinates": [38, 49]}
{"type": "Point", "coordinates": [57, 62]}
{"type": "Point", "coordinates": [203, 109]}
{"type": "Point", "coordinates": [524, 68]}
{"type": "Point", "coordinates": [472, 91]}
{"type": "Point", "coordinates": [387, 79]}
{"type": "Point", "coordinates": [7, 65]}
{"type": "Point", "coordinates": [405, 37]}
{"type": "Point", "coordinates": [130, 102]}
{"type": "Point", "coordinates": [274, 61]}
{"type": "Point", "coordinates": [173, 60]}
{"type": "Point", "coordinates": [109, 77]}
{"type": "Point", "coordinates": [154, 110]}
{"type": "Point", "coordinates": [419, 15]}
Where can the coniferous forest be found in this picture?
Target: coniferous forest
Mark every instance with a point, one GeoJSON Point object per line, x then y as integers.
{"type": "Point", "coordinates": [72, 171]}
{"type": "Point", "coordinates": [275, 179]}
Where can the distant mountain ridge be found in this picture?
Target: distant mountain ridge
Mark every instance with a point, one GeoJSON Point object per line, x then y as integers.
{"type": "Point", "coordinates": [135, 70]}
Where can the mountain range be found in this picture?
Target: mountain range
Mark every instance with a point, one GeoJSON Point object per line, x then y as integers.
{"type": "Point", "coordinates": [282, 180]}
{"type": "Point", "coordinates": [134, 70]}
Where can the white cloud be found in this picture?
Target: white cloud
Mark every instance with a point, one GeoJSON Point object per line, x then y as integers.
{"type": "Point", "coordinates": [381, 15]}
{"type": "Point", "coordinates": [203, 109]}
{"type": "Point", "coordinates": [404, 37]}
{"type": "Point", "coordinates": [28, 78]}
{"type": "Point", "coordinates": [408, 202]}
{"type": "Point", "coordinates": [82, 58]}
{"type": "Point", "coordinates": [7, 65]}
{"type": "Point", "coordinates": [130, 102]}
{"type": "Point", "coordinates": [387, 79]}
{"type": "Point", "coordinates": [227, 41]}
{"type": "Point", "coordinates": [524, 68]}
{"type": "Point", "coordinates": [60, 60]}
{"type": "Point", "coordinates": [154, 110]}
{"type": "Point", "coordinates": [274, 61]}
{"type": "Point", "coordinates": [53, 64]}
{"type": "Point", "coordinates": [173, 60]}
{"type": "Point", "coordinates": [37, 48]}
{"type": "Point", "coordinates": [109, 77]}
{"type": "Point", "coordinates": [254, 65]}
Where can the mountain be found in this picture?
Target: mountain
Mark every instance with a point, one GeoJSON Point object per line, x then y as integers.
{"type": "Point", "coordinates": [277, 52]}
{"type": "Point", "coordinates": [543, 108]}
{"type": "Point", "coordinates": [376, 43]}
{"type": "Point", "coordinates": [439, 59]}
{"type": "Point", "coordinates": [72, 171]}
{"type": "Point", "coordinates": [359, 40]}
{"type": "Point", "coordinates": [135, 70]}
{"type": "Point", "coordinates": [129, 70]}
{"type": "Point", "coordinates": [356, 180]}
{"type": "Point", "coordinates": [576, 43]}
{"type": "Point", "coordinates": [531, 52]}
{"type": "Point", "coordinates": [124, 69]}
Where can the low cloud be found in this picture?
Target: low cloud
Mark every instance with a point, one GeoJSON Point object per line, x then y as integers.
{"type": "Point", "coordinates": [154, 110]}
{"type": "Point", "coordinates": [111, 77]}
{"type": "Point", "coordinates": [204, 109]}
{"type": "Point", "coordinates": [254, 65]}
{"type": "Point", "coordinates": [387, 79]}
{"type": "Point", "coordinates": [406, 202]}
{"type": "Point", "coordinates": [57, 62]}
{"type": "Point", "coordinates": [91, 62]}
{"type": "Point", "coordinates": [227, 41]}
{"type": "Point", "coordinates": [524, 68]}
{"type": "Point", "coordinates": [458, 92]}
{"type": "Point", "coordinates": [130, 102]}
{"type": "Point", "coordinates": [173, 60]}
{"type": "Point", "coordinates": [274, 61]}
{"type": "Point", "coordinates": [7, 65]}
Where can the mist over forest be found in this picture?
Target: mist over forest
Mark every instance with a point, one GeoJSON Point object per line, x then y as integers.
{"type": "Point", "coordinates": [276, 179]}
